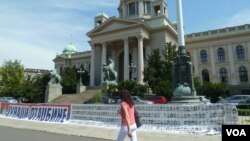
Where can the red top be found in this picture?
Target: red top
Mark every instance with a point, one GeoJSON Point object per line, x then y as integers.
{"type": "Point", "coordinates": [130, 114]}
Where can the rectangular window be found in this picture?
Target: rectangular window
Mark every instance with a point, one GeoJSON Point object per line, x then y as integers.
{"type": "Point", "coordinates": [147, 7]}
{"type": "Point", "coordinates": [136, 8]}
{"type": "Point", "coordinates": [132, 8]}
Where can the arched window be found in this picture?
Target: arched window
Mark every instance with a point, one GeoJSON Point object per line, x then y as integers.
{"type": "Point", "coordinates": [243, 74]}
{"type": "Point", "coordinates": [223, 75]}
{"type": "Point", "coordinates": [205, 76]}
{"type": "Point", "coordinates": [221, 54]}
{"type": "Point", "coordinates": [240, 52]}
{"type": "Point", "coordinates": [203, 55]}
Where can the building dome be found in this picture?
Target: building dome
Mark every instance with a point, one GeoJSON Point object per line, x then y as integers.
{"type": "Point", "coordinates": [102, 14]}
{"type": "Point", "coordinates": [70, 48]}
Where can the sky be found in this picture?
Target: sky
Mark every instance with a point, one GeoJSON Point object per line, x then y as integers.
{"type": "Point", "coordinates": [35, 31]}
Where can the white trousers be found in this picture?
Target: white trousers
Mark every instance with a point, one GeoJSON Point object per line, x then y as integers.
{"type": "Point", "coordinates": [124, 132]}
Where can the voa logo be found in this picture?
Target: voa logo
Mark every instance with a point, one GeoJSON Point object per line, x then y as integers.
{"type": "Point", "coordinates": [236, 132]}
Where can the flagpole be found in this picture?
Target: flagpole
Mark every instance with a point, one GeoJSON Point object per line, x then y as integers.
{"type": "Point", "coordinates": [180, 27]}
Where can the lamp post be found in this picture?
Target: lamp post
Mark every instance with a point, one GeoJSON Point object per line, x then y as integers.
{"type": "Point", "coordinates": [132, 69]}
{"type": "Point", "coordinates": [182, 68]}
{"type": "Point", "coordinates": [80, 72]}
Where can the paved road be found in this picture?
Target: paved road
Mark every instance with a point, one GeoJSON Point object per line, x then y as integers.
{"type": "Point", "coordinates": [12, 134]}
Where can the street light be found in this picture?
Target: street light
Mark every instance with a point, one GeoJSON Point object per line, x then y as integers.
{"type": "Point", "coordinates": [80, 72]}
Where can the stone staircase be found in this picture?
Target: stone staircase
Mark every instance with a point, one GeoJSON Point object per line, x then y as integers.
{"type": "Point", "coordinates": [76, 98]}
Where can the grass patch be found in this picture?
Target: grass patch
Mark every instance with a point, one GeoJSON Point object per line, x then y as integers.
{"type": "Point", "coordinates": [244, 112]}
{"type": "Point", "coordinates": [95, 99]}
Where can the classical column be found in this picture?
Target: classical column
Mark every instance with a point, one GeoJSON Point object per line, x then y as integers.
{"type": "Point", "coordinates": [92, 68]}
{"type": "Point", "coordinates": [124, 10]}
{"type": "Point", "coordinates": [247, 53]}
{"type": "Point", "coordinates": [104, 54]}
{"type": "Point", "coordinates": [231, 73]}
{"type": "Point", "coordinates": [195, 62]}
{"type": "Point", "coordinates": [162, 8]}
{"type": "Point", "coordinates": [126, 59]}
{"type": "Point", "coordinates": [212, 57]}
{"type": "Point", "coordinates": [140, 59]}
{"type": "Point", "coordinates": [140, 8]}
{"type": "Point", "coordinates": [134, 74]}
{"type": "Point", "coordinates": [247, 57]}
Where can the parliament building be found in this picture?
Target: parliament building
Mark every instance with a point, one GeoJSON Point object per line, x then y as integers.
{"type": "Point", "coordinates": [218, 55]}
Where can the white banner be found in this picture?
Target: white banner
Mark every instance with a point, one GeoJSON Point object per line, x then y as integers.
{"type": "Point", "coordinates": [182, 118]}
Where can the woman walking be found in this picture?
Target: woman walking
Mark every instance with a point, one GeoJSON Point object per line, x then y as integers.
{"type": "Point", "coordinates": [128, 125]}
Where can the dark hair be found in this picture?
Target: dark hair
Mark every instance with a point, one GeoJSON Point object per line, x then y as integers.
{"type": "Point", "coordinates": [125, 96]}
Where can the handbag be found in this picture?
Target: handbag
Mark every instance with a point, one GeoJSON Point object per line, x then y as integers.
{"type": "Point", "coordinates": [137, 119]}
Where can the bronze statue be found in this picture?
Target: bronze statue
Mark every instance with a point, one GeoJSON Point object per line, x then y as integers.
{"type": "Point", "coordinates": [55, 78]}
{"type": "Point", "coordinates": [110, 75]}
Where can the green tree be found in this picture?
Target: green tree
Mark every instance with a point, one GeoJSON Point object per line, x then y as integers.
{"type": "Point", "coordinates": [127, 84]}
{"type": "Point", "coordinates": [85, 77]}
{"type": "Point", "coordinates": [12, 73]}
{"type": "Point", "coordinates": [154, 72]}
{"type": "Point", "coordinates": [34, 87]}
{"type": "Point", "coordinates": [69, 80]}
{"type": "Point", "coordinates": [140, 90]}
{"type": "Point", "coordinates": [170, 52]}
{"type": "Point", "coordinates": [214, 90]}
{"type": "Point", "coordinates": [158, 73]}
{"type": "Point", "coordinates": [112, 90]}
{"type": "Point", "coordinates": [164, 88]}
{"type": "Point", "coordinates": [14, 83]}
{"type": "Point", "coordinates": [197, 85]}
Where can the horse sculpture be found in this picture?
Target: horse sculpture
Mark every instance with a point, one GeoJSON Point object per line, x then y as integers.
{"type": "Point", "coordinates": [55, 78]}
{"type": "Point", "coordinates": [110, 75]}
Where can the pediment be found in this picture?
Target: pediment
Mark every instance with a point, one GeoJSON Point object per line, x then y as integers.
{"type": "Point", "coordinates": [111, 25]}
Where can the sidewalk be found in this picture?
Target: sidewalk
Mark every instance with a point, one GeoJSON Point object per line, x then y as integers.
{"type": "Point", "coordinates": [104, 133]}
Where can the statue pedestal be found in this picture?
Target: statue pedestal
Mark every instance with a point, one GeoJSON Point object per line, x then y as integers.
{"type": "Point", "coordinates": [185, 100]}
{"type": "Point", "coordinates": [52, 92]}
{"type": "Point", "coordinates": [80, 88]}
{"type": "Point", "coordinates": [183, 95]}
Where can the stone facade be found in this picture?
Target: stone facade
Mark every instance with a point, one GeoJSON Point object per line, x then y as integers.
{"type": "Point", "coordinates": [222, 55]}
{"type": "Point", "coordinates": [29, 72]}
{"type": "Point", "coordinates": [77, 60]}
{"type": "Point", "coordinates": [128, 39]}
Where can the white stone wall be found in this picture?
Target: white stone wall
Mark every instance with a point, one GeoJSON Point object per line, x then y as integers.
{"type": "Point", "coordinates": [228, 40]}
{"type": "Point", "coordinates": [158, 40]}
